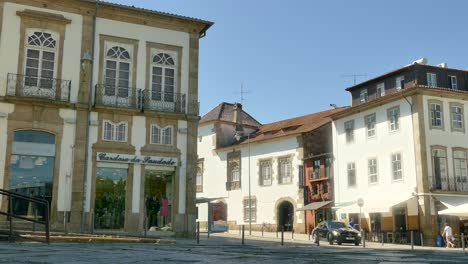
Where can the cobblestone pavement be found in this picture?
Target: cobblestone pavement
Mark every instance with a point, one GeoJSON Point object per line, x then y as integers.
{"type": "Point", "coordinates": [219, 250]}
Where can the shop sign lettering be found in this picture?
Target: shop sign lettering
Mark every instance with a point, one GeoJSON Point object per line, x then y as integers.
{"type": "Point", "coordinates": [125, 158]}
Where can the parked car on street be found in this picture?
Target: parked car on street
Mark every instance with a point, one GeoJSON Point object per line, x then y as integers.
{"type": "Point", "coordinates": [334, 231]}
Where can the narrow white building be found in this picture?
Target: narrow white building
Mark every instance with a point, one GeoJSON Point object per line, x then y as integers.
{"type": "Point", "coordinates": [402, 149]}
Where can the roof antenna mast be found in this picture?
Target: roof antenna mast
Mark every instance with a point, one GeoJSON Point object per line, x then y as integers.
{"type": "Point", "coordinates": [355, 76]}
{"type": "Point", "coordinates": [242, 93]}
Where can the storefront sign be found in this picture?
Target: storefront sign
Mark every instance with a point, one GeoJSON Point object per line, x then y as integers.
{"type": "Point", "coordinates": [125, 158]}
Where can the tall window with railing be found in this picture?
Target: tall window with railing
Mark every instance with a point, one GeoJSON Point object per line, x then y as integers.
{"type": "Point", "coordinates": [163, 74]}
{"type": "Point", "coordinates": [117, 72]}
{"type": "Point", "coordinates": [461, 170]}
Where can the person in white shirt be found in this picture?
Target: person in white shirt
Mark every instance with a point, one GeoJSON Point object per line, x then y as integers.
{"type": "Point", "coordinates": [448, 235]}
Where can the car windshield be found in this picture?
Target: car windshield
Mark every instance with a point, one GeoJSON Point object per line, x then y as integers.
{"type": "Point", "coordinates": [337, 225]}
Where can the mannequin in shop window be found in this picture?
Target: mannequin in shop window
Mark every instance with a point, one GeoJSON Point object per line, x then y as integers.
{"type": "Point", "coordinates": [152, 209]}
{"type": "Point", "coordinates": [164, 210]}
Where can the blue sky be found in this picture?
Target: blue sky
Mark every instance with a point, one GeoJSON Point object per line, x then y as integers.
{"type": "Point", "coordinates": [292, 57]}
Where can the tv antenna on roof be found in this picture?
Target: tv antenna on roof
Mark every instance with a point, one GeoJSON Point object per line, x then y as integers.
{"type": "Point", "coordinates": [355, 76]}
{"type": "Point", "coordinates": [242, 93]}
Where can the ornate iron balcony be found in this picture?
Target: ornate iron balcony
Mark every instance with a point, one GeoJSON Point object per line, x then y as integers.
{"type": "Point", "coordinates": [449, 184]}
{"type": "Point", "coordinates": [38, 87]}
{"type": "Point", "coordinates": [164, 101]}
{"type": "Point", "coordinates": [114, 96]}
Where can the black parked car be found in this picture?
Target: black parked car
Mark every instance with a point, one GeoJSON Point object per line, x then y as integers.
{"type": "Point", "coordinates": [334, 231]}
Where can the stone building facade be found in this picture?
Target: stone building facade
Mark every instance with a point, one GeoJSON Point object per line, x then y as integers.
{"type": "Point", "coordinates": [99, 114]}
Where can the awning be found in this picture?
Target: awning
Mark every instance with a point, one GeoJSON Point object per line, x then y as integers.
{"type": "Point", "coordinates": [451, 201]}
{"type": "Point", "coordinates": [375, 204]}
{"type": "Point", "coordinates": [206, 200]}
{"type": "Point", "coordinates": [314, 206]}
{"type": "Point", "coordinates": [460, 211]}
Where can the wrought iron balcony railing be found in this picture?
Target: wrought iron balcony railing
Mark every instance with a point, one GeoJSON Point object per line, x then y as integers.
{"type": "Point", "coordinates": [114, 96]}
{"type": "Point", "coordinates": [449, 184]}
{"type": "Point", "coordinates": [38, 87]}
{"type": "Point", "coordinates": [144, 100]}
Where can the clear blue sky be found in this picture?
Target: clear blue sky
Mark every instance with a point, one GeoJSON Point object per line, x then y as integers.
{"type": "Point", "coordinates": [292, 56]}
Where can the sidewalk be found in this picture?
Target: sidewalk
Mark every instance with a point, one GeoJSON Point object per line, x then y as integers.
{"type": "Point", "coordinates": [304, 239]}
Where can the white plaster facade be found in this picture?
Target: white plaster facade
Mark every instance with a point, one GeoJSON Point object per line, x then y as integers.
{"type": "Point", "coordinates": [268, 198]}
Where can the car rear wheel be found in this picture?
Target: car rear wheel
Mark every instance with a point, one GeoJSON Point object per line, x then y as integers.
{"type": "Point", "coordinates": [330, 238]}
{"type": "Point", "coordinates": [356, 243]}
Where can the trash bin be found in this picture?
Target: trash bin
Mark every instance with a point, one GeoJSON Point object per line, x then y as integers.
{"type": "Point", "coordinates": [439, 241]}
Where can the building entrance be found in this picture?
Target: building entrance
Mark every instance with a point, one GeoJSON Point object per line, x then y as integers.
{"type": "Point", "coordinates": [158, 200]}
{"type": "Point", "coordinates": [111, 190]}
{"type": "Point", "coordinates": [285, 216]}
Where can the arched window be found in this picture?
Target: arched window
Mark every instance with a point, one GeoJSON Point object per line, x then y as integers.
{"type": "Point", "coordinates": [163, 77]}
{"type": "Point", "coordinates": [117, 72]}
{"type": "Point", "coordinates": [41, 54]}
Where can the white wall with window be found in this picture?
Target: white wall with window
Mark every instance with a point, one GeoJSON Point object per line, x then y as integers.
{"type": "Point", "coordinates": [114, 131]}
{"type": "Point", "coordinates": [267, 159]}
{"type": "Point", "coordinates": [380, 167]}
{"type": "Point", "coordinates": [41, 52]}
{"type": "Point", "coordinates": [446, 144]}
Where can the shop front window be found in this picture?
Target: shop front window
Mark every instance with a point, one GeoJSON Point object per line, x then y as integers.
{"type": "Point", "coordinates": [109, 207]}
{"type": "Point", "coordinates": [32, 171]}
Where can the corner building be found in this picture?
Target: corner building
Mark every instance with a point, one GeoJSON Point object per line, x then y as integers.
{"type": "Point", "coordinates": [99, 114]}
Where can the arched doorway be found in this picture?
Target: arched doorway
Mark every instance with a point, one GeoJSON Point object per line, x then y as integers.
{"type": "Point", "coordinates": [32, 170]}
{"type": "Point", "coordinates": [285, 216]}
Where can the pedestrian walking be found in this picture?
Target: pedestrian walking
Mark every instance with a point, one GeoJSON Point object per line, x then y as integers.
{"type": "Point", "coordinates": [448, 234]}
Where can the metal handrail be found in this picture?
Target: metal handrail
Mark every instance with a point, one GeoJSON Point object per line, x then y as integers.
{"type": "Point", "coordinates": [38, 87]}
{"type": "Point", "coordinates": [11, 215]}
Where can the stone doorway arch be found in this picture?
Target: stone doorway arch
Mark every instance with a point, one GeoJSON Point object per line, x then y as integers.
{"type": "Point", "coordinates": [285, 215]}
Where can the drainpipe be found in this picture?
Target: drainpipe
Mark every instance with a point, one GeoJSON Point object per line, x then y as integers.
{"type": "Point", "coordinates": [88, 119]}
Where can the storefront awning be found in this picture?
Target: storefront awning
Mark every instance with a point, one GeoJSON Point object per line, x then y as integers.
{"type": "Point", "coordinates": [314, 206]}
{"type": "Point", "coordinates": [451, 201]}
{"type": "Point", "coordinates": [460, 211]}
{"type": "Point", "coordinates": [375, 204]}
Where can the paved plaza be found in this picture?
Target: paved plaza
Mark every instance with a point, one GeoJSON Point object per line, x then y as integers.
{"type": "Point", "coordinates": [222, 249]}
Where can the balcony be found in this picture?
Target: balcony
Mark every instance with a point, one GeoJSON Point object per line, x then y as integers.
{"type": "Point", "coordinates": [143, 100]}
{"type": "Point", "coordinates": [119, 97]}
{"type": "Point", "coordinates": [449, 184]}
{"type": "Point", "coordinates": [28, 86]}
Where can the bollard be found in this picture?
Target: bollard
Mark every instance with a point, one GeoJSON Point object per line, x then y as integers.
{"type": "Point", "coordinates": [282, 235]}
{"type": "Point", "coordinates": [262, 230]}
{"type": "Point", "coordinates": [292, 234]}
{"type": "Point", "coordinates": [412, 240]}
{"type": "Point", "coordinates": [243, 235]}
{"type": "Point", "coordinates": [208, 232]}
{"type": "Point", "coordinates": [145, 225]}
{"type": "Point", "coordinates": [198, 233]}
{"type": "Point", "coordinates": [318, 241]}
{"type": "Point", "coordinates": [310, 234]}
{"type": "Point", "coordinates": [382, 239]}
{"type": "Point", "coordinates": [240, 232]}
{"type": "Point", "coordinates": [92, 222]}
{"type": "Point", "coordinates": [422, 240]}
{"type": "Point", "coordinates": [276, 232]}
{"type": "Point", "coordinates": [463, 241]}
{"type": "Point", "coordinates": [363, 235]}
{"type": "Point", "coordinates": [35, 219]}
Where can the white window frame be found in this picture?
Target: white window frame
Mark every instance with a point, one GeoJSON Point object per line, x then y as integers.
{"type": "Point", "coordinates": [351, 167]}
{"type": "Point", "coordinates": [252, 208]}
{"type": "Point", "coordinates": [380, 90]}
{"type": "Point", "coordinates": [114, 129]}
{"type": "Point", "coordinates": [285, 170]}
{"type": "Point", "coordinates": [431, 79]}
{"type": "Point", "coordinates": [162, 135]}
{"type": "Point", "coordinates": [108, 45]}
{"type": "Point", "coordinates": [372, 169]}
{"type": "Point", "coordinates": [394, 159]}
{"type": "Point", "coordinates": [199, 176]}
{"type": "Point", "coordinates": [398, 81]}
{"type": "Point", "coordinates": [393, 115]}
{"type": "Point", "coordinates": [235, 171]}
{"type": "Point", "coordinates": [457, 117]}
{"type": "Point", "coordinates": [364, 97]}
{"type": "Point", "coordinates": [453, 82]}
{"type": "Point", "coordinates": [34, 89]}
{"type": "Point", "coordinates": [349, 131]}
{"type": "Point", "coordinates": [460, 165]}
{"type": "Point", "coordinates": [371, 125]}
{"type": "Point", "coordinates": [164, 67]}
{"type": "Point", "coordinates": [436, 115]}
{"type": "Point", "coordinates": [266, 170]}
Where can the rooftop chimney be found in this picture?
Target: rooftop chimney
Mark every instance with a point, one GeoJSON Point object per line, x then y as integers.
{"type": "Point", "coordinates": [237, 113]}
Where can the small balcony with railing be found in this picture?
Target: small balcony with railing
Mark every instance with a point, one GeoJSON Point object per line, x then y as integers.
{"type": "Point", "coordinates": [29, 86]}
{"type": "Point", "coordinates": [144, 100]}
{"type": "Point", "coordinates": [448, 184]}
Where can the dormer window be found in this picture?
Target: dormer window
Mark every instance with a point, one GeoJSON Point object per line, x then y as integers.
{"type": "Point", "coordinates": [431, 79]}
{"type": "Point", "coordinates": [380, 89]}
{"type": "Point", "coordinates": [363, 96]}
{"type": "Point", "coordinates": [400, 82]}
{"type": "Point", "coordinates": [453, 82]}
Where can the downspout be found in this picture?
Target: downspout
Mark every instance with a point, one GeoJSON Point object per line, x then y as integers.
{"type": "Point", "coordinates": [88, 118]}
